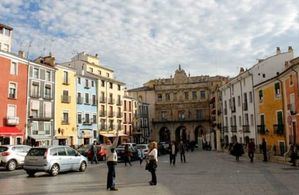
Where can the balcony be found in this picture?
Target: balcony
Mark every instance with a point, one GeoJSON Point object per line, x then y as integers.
{"type": "Point", "coordinates": [65, 122]}
{"type": "Point", "coordinates": [278, 129]}
{"type": "Point", "coordinates": [111, 114]}
{"type": "Point", "coordinates": [12, 96]}
{"type": "Point", "coordinates": [48, 97]}
{"type": "Point", "coordinates": [34, 95]}
{"type": "Point", "coordinates": [87, 87]}
{"type": "Point", "coordinates": [103, 127]}
{"type": "Point", "coordinates": [87, 122]}
{"type": "Point", "coordinates": [111, 127]}
{"type": "Point", "coordinates": [119, 103]}
{"type": "Point", "coordinates": [119, 115]}
{"type": "Point", "coordinates": [102, 100]}
{"type": "Point", "coordinates": [40, 117]}
{"type": "Point", "coordinates": [245, 106]}
{"type": "Point", "coordinates": [246, 129]}
{"type": "Point", "coordinates": [261, 129]}
{"type": "Point", "coordinates": [12, 120]}
{"type": "Point", "coordinates": [233, 129]}
{"type": "Point", "coordinates": [111, 101]}
{"type": "Point", "coordinates": [65, 99]}
{"type": "Point", "coordinates": [66, 82]}
{"type": "Point", "coordinates": [102, 113]}
{"type": "Point", "coordinates": [225, 129]}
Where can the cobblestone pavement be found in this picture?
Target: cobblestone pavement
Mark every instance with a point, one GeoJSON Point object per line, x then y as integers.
{"type": "Point", "coordinates": [204, 173]}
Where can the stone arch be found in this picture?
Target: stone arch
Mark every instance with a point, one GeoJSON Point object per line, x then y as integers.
{"type": "Point", "coordinates": [164, 135]}
{"type": "Point", "coordinates": [198, 132]}
{"type": "Point", "coordinates": [181, 134]}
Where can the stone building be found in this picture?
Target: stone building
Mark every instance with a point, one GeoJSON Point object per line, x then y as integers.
{"type": "Point", "coordinates": [178, 106]}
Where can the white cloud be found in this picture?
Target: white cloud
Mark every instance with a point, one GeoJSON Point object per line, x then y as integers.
{"type": "Point", "coordinates": [153, 37]}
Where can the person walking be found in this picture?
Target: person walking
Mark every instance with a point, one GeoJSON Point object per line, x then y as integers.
{"type": "Point", "coordinates": [182, 149]}
{"type": "Point", "coordinates": [152, 162]}
{"type": "Point", "coordinates": [264, 150]}
{"type": "Point", "coordinates": [172, 153]}
{"type": "Point", "coordinates": [111, 157]}
{"type": "Point", "coordinates": [127, 155]}
{"type": "Point", "coordinates": [140, 155]}
{"type": "Point", "coordinates": [293, 155]}
{"type": "Point", "coordinates": [251, 150]}
{"type": "Point", "coordinates": [94, 152]}
{"type": "Point", "coordinates": [237, 150]}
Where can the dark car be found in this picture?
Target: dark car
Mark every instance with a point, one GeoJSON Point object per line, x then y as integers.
{"type": "Point", "coordinates": [120, 150]}
{"type": "Point", "coordinates": [163, 148]}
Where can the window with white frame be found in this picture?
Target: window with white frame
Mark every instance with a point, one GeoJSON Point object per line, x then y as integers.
{"type": "Point", "coordinates": [86, 98]}
{"type": "Point", "coordinates": [35, 89]}
{"type": "Point", "coordinates": [48, 76]}
{"type": "Point", "coordinates": [65, 77]}
{"type": "Point", "coordinates": [13, 68]}
{"type": "Point", "coordinates": [47, 128]}
{"type": "Point", "coordinates": [94, 118]}
{"type": "Point", "coordinates": [79, 118]}
{"type": "Point", "coordinates": [47, 91]}
{"type": "Point", "coordinates": [35, 73]}
{"type": "Point", "coordinates": [277, 89]}
{"type": "Point", "coordinates": [48, 109]}
{"type": "Point", "coordinates": [12, 90]}
{"type": "Point", "coordinates": [34, 128]}
{"type": "Point", "coordinates": [11, 110]}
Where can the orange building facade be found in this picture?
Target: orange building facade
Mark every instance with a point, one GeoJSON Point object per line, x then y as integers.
{"type": "Point", "coordinates": [13, 98]}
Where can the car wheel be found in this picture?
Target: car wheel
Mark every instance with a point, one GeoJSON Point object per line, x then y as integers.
{"type": "Point", "coordinates": [30, 173]}
{"type": "Point", "coordinates": [11, 165]}
{"type": "Point", "coordinates": [83, 166]}
{"type": "Point", "coordinates": [54, 170]}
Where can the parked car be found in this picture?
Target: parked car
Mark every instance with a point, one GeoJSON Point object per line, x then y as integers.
{"type": "Point", "coordinates": [163, 148]}
{"type": "Point", "coordinates": [12, 156]}
{"type": "Point", "coordinates": [101, 153]}
{"type": "Point", "coordinates": [120, 150]}
{"type": "Point", "coordinates": [143, 147]}
{"type": "Point", "coordinates": [54, 159]}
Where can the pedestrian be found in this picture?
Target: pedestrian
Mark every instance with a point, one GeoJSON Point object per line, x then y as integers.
{"type": "Point", "coordinates": [127, 155]}
{"type": "Point", "coordinates": [251, 150]}
{"type": "Point", "coordinates": [182, 149]}
{"type": "Point", "coordinates": [140, 155]}
{"type": "Point", "coordinates": [152, 162]}
{"type": "Point", "coordinates": [111, 157]}
{"type": "Point", "coordinates": [172, 153]}
{"type": "Point", "coordinates": [293, 155]}
{"type": "Point", "coordinates": [94, 152]}
{"type": "Point", "coordinates": [237, 150]}
{"type": "Point", "coordinates": [264, 150]}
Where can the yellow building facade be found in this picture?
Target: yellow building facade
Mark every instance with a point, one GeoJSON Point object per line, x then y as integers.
{"type": "Point", "coordinates": [65, 106]}
{"type": "Point", "coordinates": [270, 115]}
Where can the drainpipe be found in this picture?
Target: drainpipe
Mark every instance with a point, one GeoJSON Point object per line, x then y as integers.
{"type": "Point", "coordinates": [294, 139]}
{"type": "Point", "coordinates": [254, 110]}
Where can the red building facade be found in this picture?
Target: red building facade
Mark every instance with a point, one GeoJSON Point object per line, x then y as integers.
{"type": "Point", "coordinates": [13, 98]}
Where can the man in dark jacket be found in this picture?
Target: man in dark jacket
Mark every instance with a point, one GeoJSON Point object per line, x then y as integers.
{"type": "Point", "coordinates": [251, 150]}
{"type": "Point", "coordinates": [264, 149]}
{"type": "Point", "coordinates": [172, 153]}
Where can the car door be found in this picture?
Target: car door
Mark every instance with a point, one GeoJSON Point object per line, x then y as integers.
{"type": "Point", "coordinates": [19, 154]}
{"type": "Point", "coordinates": [74, 158]}
{"type": "Point", "coordinates": [63, 159]}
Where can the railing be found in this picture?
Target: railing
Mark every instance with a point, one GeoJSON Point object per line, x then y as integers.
{"type": "Point", "coordinates": [102, 100]}
{"type": "Point", "coordinates": [87, 122]}
{"type": "Point", "coordinates": [246, 129]}
{"type": "Point", "coordinates": [261, 129]}
{"type": "Point", "coordinates": [66, 82]}
{"type": "Point", "coordinates": [65, 122]}
{"type": "Point", "coordinates": [102, 113]}
{"type": "Point", "coordinates": [119, 103]}
{"type": "Point", "coordinates": [65, 99]}
{"type": "Point", "coordinates": [278, 129]}
{"type": "Point", "coordinates": [12, 96]}
{"type": "Point", "coordinates": [233, 129]}
{"type": "Point", "coordinates": [34, 95]}
{"type": "Point", "coordinates": [111, 114]}
{"type": "Point", "coordinates": [110, 101]}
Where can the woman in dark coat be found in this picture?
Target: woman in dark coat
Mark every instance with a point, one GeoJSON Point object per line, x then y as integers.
{"type": "Point", "coordinates": [237, 150]}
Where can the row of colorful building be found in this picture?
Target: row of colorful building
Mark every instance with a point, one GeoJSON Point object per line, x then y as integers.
{"type": "Point", "coordinates": [73, 103]}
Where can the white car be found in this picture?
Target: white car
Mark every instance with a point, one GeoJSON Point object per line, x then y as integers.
{"type": "Point", "coordinates": [12, 156]}
{"type": "Point", "coordinates": [143, 147]}
{"type": "Point", "coordinates": [54, 159]}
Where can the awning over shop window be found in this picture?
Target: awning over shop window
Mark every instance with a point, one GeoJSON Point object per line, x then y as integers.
{"type": "Point", "coordinates": [113, 135]}
{"type": "Point", "coordinates": [10, 131]}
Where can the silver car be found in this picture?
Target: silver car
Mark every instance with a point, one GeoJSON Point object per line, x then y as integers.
{"type": "Point", "coordinates": [12, 156]}
{"type": "Point", "coordinates": [54, 159]}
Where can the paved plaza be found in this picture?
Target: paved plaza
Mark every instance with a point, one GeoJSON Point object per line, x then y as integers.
{"type": "Point", "coordinates": [204, 173]}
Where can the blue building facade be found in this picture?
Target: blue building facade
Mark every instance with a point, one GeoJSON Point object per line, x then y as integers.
{"type": "Point", "coordinates": [87, 109]}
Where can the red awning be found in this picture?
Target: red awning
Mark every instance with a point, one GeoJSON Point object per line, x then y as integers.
{"type": "Point", "coordinates": [10, 131]}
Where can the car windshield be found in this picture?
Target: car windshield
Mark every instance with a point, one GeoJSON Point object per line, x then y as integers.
{"type": "Point", "coordinates": [3, 148]}
{"type": "Point", "coordinates": [37, 152]}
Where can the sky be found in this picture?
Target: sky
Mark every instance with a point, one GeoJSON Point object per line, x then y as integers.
{"type": "Point", "coordinates": [148, 39]}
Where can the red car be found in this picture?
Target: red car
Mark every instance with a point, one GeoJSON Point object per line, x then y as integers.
{"type": "Point", "coordinates": [101, 153]}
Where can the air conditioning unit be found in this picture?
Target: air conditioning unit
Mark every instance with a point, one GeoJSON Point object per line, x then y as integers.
{"type": "Point", "coordinates": [12, 120]}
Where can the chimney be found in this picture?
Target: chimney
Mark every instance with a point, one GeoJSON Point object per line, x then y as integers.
{"type": "Point", "coordinates": [241, 70]}
{"type": "Point", "coordinates": [290, 49]}
{"type": "Point", "coordinates": [21, 54]}
{"type": "Point", "coordinates": [96, 55]}
{"type": "Point", "coordinates": [278, 50]}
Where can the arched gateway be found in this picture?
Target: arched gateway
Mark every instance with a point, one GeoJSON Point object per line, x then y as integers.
{"type": "Point", "coordinates": [181, 134]}
{"type": "Point", "coordinates": [164, 135]}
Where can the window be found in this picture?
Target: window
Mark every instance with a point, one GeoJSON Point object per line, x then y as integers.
{"type": "Point", "coordinates": [99, 72]}
{"type": "Point", "coordinates": [90, 69]}
{"type": "Point", "coordinates": [65, 118]}
{"type": "Point", "coordinates": [159, 97]}
{"type": "Point", "coordinates": [167, 97]}
{"type": "Point", "coordinates": [108, 74]}
{"type": "Point", "coordinates": [251, 120]}
{"type": "Point", "coordinates": [102, 96]}
{"type": "Point", "coordinates": [291, 80]}
{"type": "Point", "coordinates": [48, 91]}
{"type": "Point", "coordinates": [86, 83]}
{"type": "Point", "coordinates": [125, 105]}
{"type": "Point", "coordinates": [34, 128]}
{"type": "Point", "coordinates": [79, 80]}
{"type": "Point", "coordinates": [11, 110]}
{"type": "Point", "coordinates": [79, 118]}
{"type": "Point", "coordinates": [277, 89]}
{"type": "Point", "coordinates": [79, 98]}
{"type": "Point", "coordinates": [103, 83]}
{"type": "Point", "coordinates": [186, 95]}
{"type": "Point", "coordinates": [86, 98]}
{"type": "Point", "coordinates": [48, 76]}
{"type": "Point", "coordinates": [12, 91]}
{"type": "Point", "coordinates": [110, 85]}
{"type": "Point", "coordinates": [36, 73]}
{"type": "Point", "coordinates": [239, 101]}
{"type": "Point", "coordinates": [65, 77]}
{"type": "Point", "coordinates": [94, 118]}
{"type": "Point", "coordinates": [13, 68]}
{"type": "Point", "coordinates": [202, 94]}
{"type": "Point", "coordinates": [174, 96]}
{"type": "Point", "coordinates": [199, 114]}
{"type": "Point", "coordinates": [246, 119]}
{"type": "Point", "coordinates": [94, 100]}
{"type": "Point", "coordinates": [47, 109]}
{"type": "Point", "coordinates": [261, 96]}
{"type": "Point", "coordinates": [181, 115]}
{"type": "Point", "coordinates": [35, 89]}
{"type": "Point", "coordinates": [47, 127]}
{"type": "Point", "coordinates": [118, 87]}
{"type": "Point", "coordinates": [194, 95]}
{"type": "Point", "coordinates": [92, 83]}
{"type": "Point", "coordinates": [250, 97]}
{"type": "Point", "coordinates": [86, 119]}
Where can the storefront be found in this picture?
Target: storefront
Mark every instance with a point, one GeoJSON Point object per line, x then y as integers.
{"type": "Point", "coordinates": [10, 136]}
